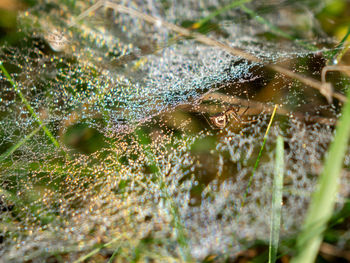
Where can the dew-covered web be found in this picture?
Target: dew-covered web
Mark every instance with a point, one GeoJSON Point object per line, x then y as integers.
{"type": "Point", "coordinates": [140, 161]}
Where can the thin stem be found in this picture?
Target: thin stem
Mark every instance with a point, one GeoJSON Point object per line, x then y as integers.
{"type": "Point", "coordinates": [341, 68]}
{"type": "Point", "coordinates": [30, 109]}
{"type": "Point", "coordinates": [219, 11]}
{"type": "Point", "coordinates": [19, 144]}
{"type": "Point", "coordinates": [95, 251]}
{"type": "Point", "coordinates": [180, 230]}
{"type": "Point", "coordinates": [275, 29]}
{"type": "Point", "coordinates": [116, 251]}
{"type": "Point", "coordinates": [324, 198]}
{"type": "Point", "coordinates": [276, 210]}
{"type": "Point", "coordinates": [336, 55]}
{"type": "Point", "coordinates": [259, 156]}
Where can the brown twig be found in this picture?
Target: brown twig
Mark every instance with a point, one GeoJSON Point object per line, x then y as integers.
{"type": "Point", "coordinates": [341, 68]}
{"type": "Point", "coordinates": [324, 88]}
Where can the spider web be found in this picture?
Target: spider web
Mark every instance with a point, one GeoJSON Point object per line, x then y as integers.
{"type": "Point", "coordinates": [157, 170]}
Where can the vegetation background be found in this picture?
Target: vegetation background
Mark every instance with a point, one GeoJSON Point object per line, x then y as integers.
{"type": "Point", "coordinates": [127, 139]}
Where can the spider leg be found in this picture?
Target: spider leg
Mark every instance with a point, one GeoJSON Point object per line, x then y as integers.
{"type": "Point", "coordinates": [233, 112]}
{"type": "Point", "coordinates": [246, 122]}
{"type": "Point", "coordinates": [245, 111]}
{"type": "Point", "coordinates": [238, 117]}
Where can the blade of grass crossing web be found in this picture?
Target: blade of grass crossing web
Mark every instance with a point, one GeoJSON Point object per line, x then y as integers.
{"type": "Point", "coordinates": [275, 29]}
{"type": "Point", "coordinates": [323, 199]}
{"type": "Point", "coordinates": [255, 16]}
{"type": "Point", "coordinates": [18, 144]}
{"type": "Point", "coordinates": [259, 155]}
{"type": "Point", "coordinates": [218, 12]}
{"type": "Point", "coordinates": [30, 109]}
{"type": "Point", "coordinates": [344, 45]}
{"type": "Point", "coordinates": [177, 224]}
{"type": "Point", "coordinates": [11, 197]}
{"type": "Point", "coordinates": [335, 55]}
{"type": "Point", "coordinates": [276, 210]}
{"type": "Point", "coordinates": [95, 251]}
{"type": "Point", "coordinates": [115, 253]}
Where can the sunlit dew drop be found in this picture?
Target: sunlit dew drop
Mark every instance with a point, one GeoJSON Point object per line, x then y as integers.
{"type": "Point", "coordinates": [159, 23]}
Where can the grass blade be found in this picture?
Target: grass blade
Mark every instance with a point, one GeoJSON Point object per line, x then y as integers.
{"type": "Point", "coordinates": [218, 12]}
{"type": "Point", "coordinates": [336, 55]}
{"type": "Point", "coordinates": [277, 31]}
{"type": "Point", "coordinates": [259, 155]}
{"type": "Point", "coordinates": [179, 228]}
{"type": "Point", "coordinates": [111, 259]}
{"type": "Point", "coordinates": [27, 104]}
{"type": "Point", "coordinates": [276, 200]}
{"type": "Point", "coordinates": [323, 199]}
{"type": "Point", "coordinates": [96, 250]}
{"type": "Point", "coordinates": [19, 144]}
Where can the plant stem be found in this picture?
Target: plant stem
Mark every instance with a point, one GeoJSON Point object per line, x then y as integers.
{"type": "Point", "coordinates": [18, 144]}
{"type": "Point", "coordinates": [95, 251]}
{"type": "Point", "coordinates": [30, 109]}
{"type": "Point", "coordinates": [259, 155]}
{"type": "Point", "coordinates": [275, 29]}
{"type": "Point", "coordinates": [323, 199]}
{"type": "Point", "coordinates": [275, 225]}
{"type": "Point", "coordinates": [219, 11]}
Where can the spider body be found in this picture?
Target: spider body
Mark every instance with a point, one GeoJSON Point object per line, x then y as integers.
{"type": "Point", "coordinates": [220, 120]}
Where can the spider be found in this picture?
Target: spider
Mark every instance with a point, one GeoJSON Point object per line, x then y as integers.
{"type": "Point", "coordinates": [220, 120]}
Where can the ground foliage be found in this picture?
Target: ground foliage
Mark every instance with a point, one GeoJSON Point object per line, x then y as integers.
{"type": "Point", "coordinates": [140, 162]}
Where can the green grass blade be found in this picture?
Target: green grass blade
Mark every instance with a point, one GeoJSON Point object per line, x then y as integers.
{"type": "Point", "coordinates": [96, 250]}
{"type": "Point", "coordinates": [259, 155]}
{"type": "Point", "coordinates": [336, 55]}
{"type": "Point", "coordinates": [12, 197]}
{"type": "Point", "coordinates": [116, 251]}
{"type": "Point", "coordinates": [30, 109]}
{"type": "Point", "coordinates": [19, 144]}
{"type": "Point", "coordinates": [219, 11]}
{"type": "Point", "coordinates": [179, 228]}
{"type": "Point", "coordinates": [275, 29]}
{"type": "Point", "coordinates": [323, 199]}
{"type": "Point", "coordinates": [276, 200]}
